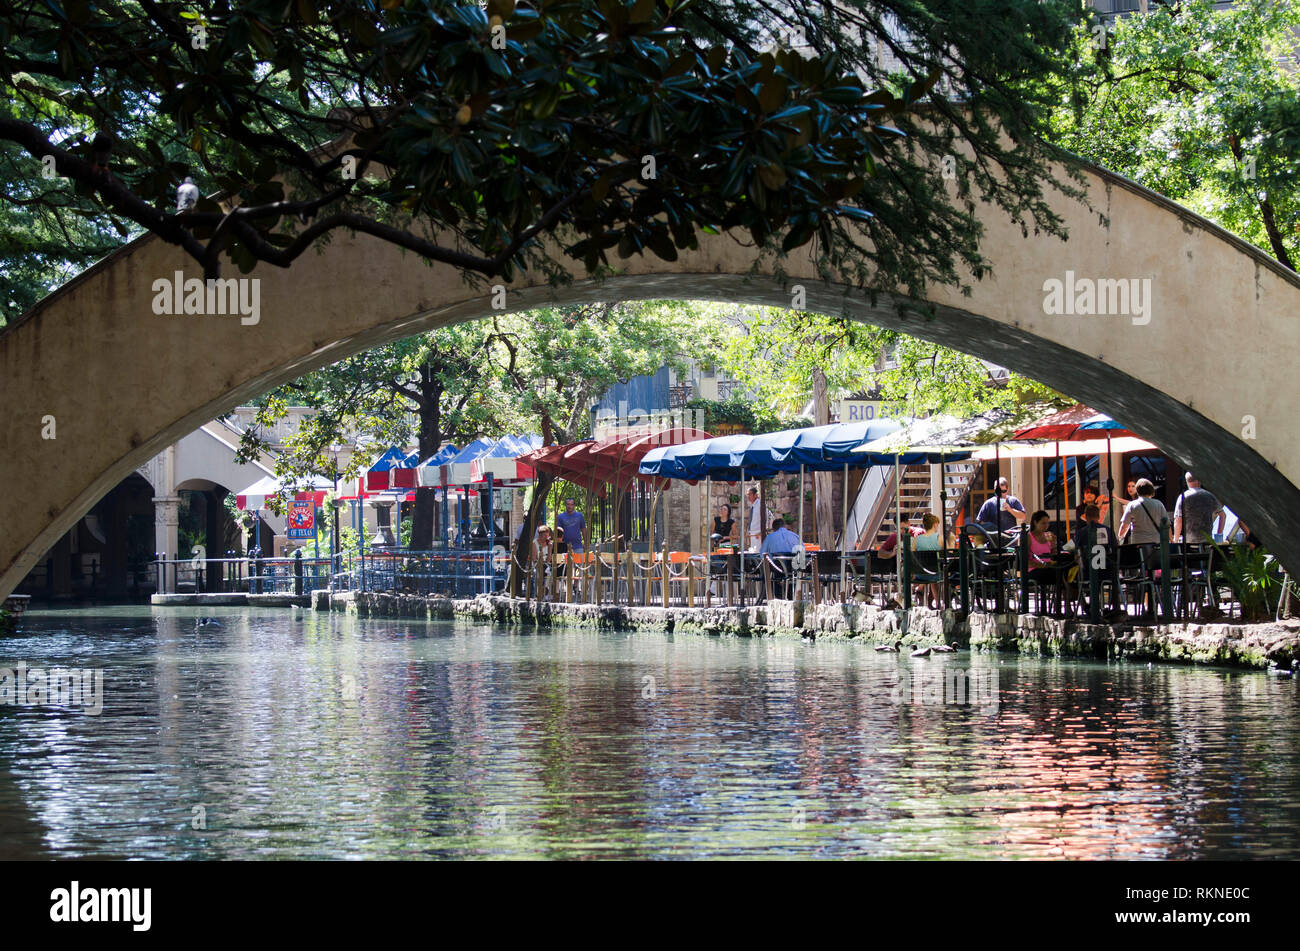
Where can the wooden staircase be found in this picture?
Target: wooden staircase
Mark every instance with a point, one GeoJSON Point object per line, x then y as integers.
{"type": "Point", "coordinates": [914, 497]}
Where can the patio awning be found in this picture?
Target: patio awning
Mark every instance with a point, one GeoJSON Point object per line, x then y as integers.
{"type": "Point", "coordinates": [839, 443]}
{"type": "Point", "coordinates": [459, 469]}
{"type": "Point", "coordinates": [818, 448]}
{"type": "Point", "coordinates": [934, 439]}
{"type": "Point", "coordinates": [256, 495]}
{"type": "Point", "coordinates": [616, 460]}
{"type": "Point", "coordinates": [1074, 447]}
{"type": "Point", "coordinates": [503, 462]}
{"type": "Point", "coordinates": [547, 458]}
{"type": "Point", "coordinates": [380, 474]}
{"type": "Point", "coordinates": [429, 472]}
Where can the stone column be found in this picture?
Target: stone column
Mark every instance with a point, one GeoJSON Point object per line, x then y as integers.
{"type": "Point", "coordinates": [166, 513]}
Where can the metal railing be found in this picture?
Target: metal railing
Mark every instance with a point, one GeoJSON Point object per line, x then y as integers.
{"type": "Point", "coordinates": [459, 573]}
{"type": "Point", "coordinates": [247, 574]}
{"type": "Point", "coordinates": [1097, 582]}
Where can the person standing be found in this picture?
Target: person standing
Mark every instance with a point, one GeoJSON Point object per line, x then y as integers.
{"type": "Point", "coordinates": [757, 519]}
{"type": "Point", "coordinates": [1141, 518]}
{"type": "Point", "coordinates": [1198, 515]}
{"type": "Point", "coordinates": [570, 524]}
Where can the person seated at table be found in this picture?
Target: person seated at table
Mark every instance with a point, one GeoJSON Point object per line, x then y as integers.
{"type": "Point", "coordinates": [1141, 519]}
{"type": "Point", "coordinates": [543, 552]}
{"type": "Point", "coordinates": [889, 547]}
{"type": "Point", "coordinates": [780, 540]}
{"type": "Point", "coordinates": [1080, 518]}
{"type": "Point", "coordinates": [1043, 548]}
{"type": "Point", "coordinates": [1092, 496]}
{"type": "Point", "coordinates": [928, 540]}
{"type": "Point", "coordinates": [1042, 542]}
{"type": "Point", "coordinates": [723, 525]}
{"type": "Point", "coordinates": [1004, 514]}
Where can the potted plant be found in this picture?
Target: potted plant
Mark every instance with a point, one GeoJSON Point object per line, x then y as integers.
{"type": "Point", "coordinates": [1252, 576]}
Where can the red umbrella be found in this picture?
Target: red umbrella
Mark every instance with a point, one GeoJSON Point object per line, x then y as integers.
{"type": "Point", "coordinates": [1078, 422]}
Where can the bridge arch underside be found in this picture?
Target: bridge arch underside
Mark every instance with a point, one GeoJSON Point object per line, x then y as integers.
{"type": "Point", "coordinates": [1262, 495]}
{"type": "Point", "coordinates": [124, 380]}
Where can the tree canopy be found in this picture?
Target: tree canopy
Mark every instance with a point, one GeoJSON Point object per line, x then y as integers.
{"type": "Point", "coordinates": [776, 354]}
{"type": "Point", "coordinates": [469, 134]}
{"type": "Point", "coordinates": [1201, 105]}
{"type": "Point", "coordinates": [535, 372]}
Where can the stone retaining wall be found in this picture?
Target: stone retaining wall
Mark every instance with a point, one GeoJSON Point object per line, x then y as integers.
{"type": "Point", "coordinates": [1256, 646]}
{"type": "Point", "coordinates": [232, 599]}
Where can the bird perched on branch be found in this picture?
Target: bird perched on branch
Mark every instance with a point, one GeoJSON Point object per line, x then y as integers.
{"type": "Point", "coordinates": [187, 195]}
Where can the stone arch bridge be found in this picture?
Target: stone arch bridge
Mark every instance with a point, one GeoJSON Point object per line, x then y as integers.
{"type": "Point", "coordinates": [1201, 362]}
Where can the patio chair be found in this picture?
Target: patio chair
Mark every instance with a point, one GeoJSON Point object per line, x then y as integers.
{"type": "Point", "coordinates": [825, 566]}
{"type": "Point", "coordinates": [1137, 575]}
{"type": "Point", "coordinates": [881, 575]}
{"type": "Point", "coordinates": [990, 568]}
{"type": "Point", "coordinates": [680, 572]}
{"type": "Point", "coordinates": [926, 570]}
{"type": "Point", "coordinates": [1192, 566]}
{"type": "Point", "coordinates": [778, 576]}
{"type": "Point", "coordinates": [1108, 578]}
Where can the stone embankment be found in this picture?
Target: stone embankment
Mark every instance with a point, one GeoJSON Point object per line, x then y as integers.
{"type": "Point", "coordinates": [232, 599]}
{"type": "Point", "coordinates": [1256, 646]}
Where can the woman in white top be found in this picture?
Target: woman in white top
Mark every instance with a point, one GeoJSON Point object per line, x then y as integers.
{"type": "Point", "coordinates": [1142, 516]}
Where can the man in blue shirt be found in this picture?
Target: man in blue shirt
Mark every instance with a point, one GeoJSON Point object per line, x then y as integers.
{"type": "Point", "coordinates": [780, 544]}
{"type": "Point", "coordinates": [571, 525]}
{"type": "Point", "coordinates": [1004, 517]}
{"type": "Point", "coordinates": [780, 540]}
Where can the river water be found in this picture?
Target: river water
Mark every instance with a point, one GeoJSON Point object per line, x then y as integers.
{"type": "Point", "coordinates": [304, 735]}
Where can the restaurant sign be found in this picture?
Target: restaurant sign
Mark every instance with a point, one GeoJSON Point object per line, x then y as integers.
{"type": "Point", "coordinates": [856, 411]}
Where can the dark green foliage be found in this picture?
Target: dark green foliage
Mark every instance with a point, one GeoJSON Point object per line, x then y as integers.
{"type": "Point", "coordinates": [489, 140]}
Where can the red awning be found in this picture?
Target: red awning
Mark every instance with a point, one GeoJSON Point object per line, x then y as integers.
{"type": "Point", "coordinates": [596, 464]}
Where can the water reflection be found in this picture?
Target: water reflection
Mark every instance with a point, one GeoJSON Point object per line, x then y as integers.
{"type": "Point", "coordinates": [309, 735]}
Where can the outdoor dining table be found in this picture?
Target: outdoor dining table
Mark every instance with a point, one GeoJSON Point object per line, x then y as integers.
{"type": "Point", "coordinates": [1059, 565]}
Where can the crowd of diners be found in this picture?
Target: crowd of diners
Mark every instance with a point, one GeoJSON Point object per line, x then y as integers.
{"type": "Point", "coordinates": [1198, 518]}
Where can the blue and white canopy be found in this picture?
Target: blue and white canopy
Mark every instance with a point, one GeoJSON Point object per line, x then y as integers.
{"type": "Point", "coordinates": [726, 457]}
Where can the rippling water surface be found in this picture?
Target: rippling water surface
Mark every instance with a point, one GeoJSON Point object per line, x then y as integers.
{"type": "Point", "coordinates": [303, 735]}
